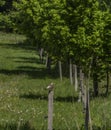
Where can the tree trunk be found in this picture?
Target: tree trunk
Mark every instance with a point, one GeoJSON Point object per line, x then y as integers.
{"type": "Point", "coordinates": [87, 111]}
{"type": "Point", "coordinates": [41, 51]}
{"type": "Point", "coordinates": [107, 76]}
{"type": "Point", "coordinates": [81, 76]}
{"type": "Point", "coordinates": [60, 70]}
{"type": "Point", "coordinates": [95, 84]}
{"type": "Point", "coordinates": [70, 71]}
{"type": "Point", "coordinates": [88, 122]}
{"type": "Point", "coordinates": [95, 78]}
{"type": "Point", "coordinates": [75, 77]}
{"type": "Point", "coordinates": [48, 62]}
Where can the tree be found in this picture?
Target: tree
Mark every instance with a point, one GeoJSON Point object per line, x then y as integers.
{"type": "Point", "coordinates": [7, 15]}
{"type": "Point", "coordinates": [88, 36]}
{"type": "Point", "coordinates": [68, 29]}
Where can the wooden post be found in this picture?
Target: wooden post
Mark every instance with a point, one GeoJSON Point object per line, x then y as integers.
{"type": "Point", "coordinates": [60, 70]}
{"type": "Point", "coordinates": [50, 106]}
{"type": "Point", "coordinates": [81, 86]}
{"type": "Point", "coordinates": [107, 76]}
{"type": "Point", "coordinates": [88, 123]}
{"type": "Point", "coordinates": [75, 77]}
{"type": "Point", "coordinates": [48, 62]}
{"type": "Point", "coordinates": [87, 111]}
{"type": "Point", "coordinates": [70, 71]}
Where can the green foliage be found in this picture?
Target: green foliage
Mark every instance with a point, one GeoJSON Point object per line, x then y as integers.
{"type": "Point", "coordinates": [67, 29]}
{"type": "Point", "coordinates": [5, 22]}
{"type": "Point", "coordinates": [46, 25]}
{"type": "Point", "coordinates": [2, 2]}
{"type": "Point", "coordinates": [7, 16]}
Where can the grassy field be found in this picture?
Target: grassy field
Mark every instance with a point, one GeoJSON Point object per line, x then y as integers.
{"type": "Point", "coordinates": [23, 97]}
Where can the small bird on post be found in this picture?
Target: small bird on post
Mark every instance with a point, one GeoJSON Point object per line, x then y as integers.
{"type": "Point", "coordinates": [50, 87]}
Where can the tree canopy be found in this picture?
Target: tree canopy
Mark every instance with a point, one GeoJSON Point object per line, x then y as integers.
{"type": "Point", "coordinates": [67, 29]}
{"type": "Point", "coordinates": [65, 26]}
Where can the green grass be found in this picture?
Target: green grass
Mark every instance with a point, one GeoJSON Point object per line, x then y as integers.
{"type": "Point", "coordinates": [23, 97]}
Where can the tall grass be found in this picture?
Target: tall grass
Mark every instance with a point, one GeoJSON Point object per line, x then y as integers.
{"type": "Point", "coordinates": [23, 97]}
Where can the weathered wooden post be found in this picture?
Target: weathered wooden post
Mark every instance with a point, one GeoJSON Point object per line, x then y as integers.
{"type": "Point", "coordinates": [70, 70]}
{"type": "Point", "coordinates": [107, 79]}
{"type": "Point", "coordinates": [75, 77]}
{"type": "Point", "coordinates": [87, 111]}
{"type": "Point", "coordinates": [84, 97]}
{"type": "Point", "coordinates": [50, 106]}
{"type": "Point", "coordinates": [88, 123]}
{"type": "Point", "coordinates": [60, 70]}
{"type": "Point", "coordinates": [81, 84]}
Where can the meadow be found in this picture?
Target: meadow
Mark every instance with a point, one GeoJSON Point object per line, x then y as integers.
{"type": "Point", "coordinates": [24, 98]}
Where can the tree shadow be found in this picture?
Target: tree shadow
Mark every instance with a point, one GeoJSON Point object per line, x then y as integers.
{"type": "Point", "coordinates": [27, 60]}
{"type": "Point", "coordinates": [66, 99]}
{"type": "Point", "coordinates": [37, 96]}
{"type": "Point", "coordinates": [45, 97]}
{"type": "Point", "coordinates": [34, 96]}
{"type": "Point", "coordinates": [18, 126]}
{"type": "Point", "coordinates": [100, 95]}
{"type": "Point", "coordinates": [95, 127]}
{"type": "Point", "coordinates": [29, 126]}
{"type": "Point", "coordinates": [32, 72]}
{"type": "Point", "coordinates": [17, 46]}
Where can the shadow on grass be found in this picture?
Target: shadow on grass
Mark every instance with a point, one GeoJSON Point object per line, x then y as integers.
{"type": "Point", "coordinates": [20, 126]}
{"type": "Point", "coordinates": [27, 60]}
{"type": "Point", "coordinates": [17, 46]}
{"type": "Point", "coordinates": [34, 96]}
{"type": "Point", "coordinates": [94, 127]}
{"type": "Point", "coordinates": [66, 99]}
{"type": "Point", "coordinates": [29, 69]}
{"type": "Point", "coordinates": [37, 73]}
{"type": "Point", "coordinates": [45, 97]}
{"type": "Point", "coordinates": [100, 95]}
{"type": "Point", "coordinates": [28, 126]}
{"type": "Point", "coordinates": [32, 72]}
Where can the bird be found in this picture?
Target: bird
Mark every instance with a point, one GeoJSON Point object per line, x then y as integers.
{"type": "Point", "coordinates": [50, 87]}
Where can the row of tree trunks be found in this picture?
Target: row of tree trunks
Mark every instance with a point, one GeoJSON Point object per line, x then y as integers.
{"type": "Point", "coordinates": [74, 75]}
{"type": "Point", "coordinates": [72, 71]}
{"type": "Point", "coordinates": [84, 98]}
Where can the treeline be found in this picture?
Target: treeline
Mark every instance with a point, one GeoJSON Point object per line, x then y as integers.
{"type": "Point", "coordinates": [7, 15]}
{"type": "Point", "coordinates": [70, 31]}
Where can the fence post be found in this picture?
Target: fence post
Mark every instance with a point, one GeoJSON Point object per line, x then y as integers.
{"type": "Point", "coordinates": [81, 84]}
{"type": "Point", "coordinates": [50, 106]}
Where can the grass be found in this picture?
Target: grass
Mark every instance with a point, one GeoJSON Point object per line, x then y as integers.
{"type": "Point", "coordinates": [23, 97]}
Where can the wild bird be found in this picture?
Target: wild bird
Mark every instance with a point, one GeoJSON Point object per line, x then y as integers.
{"type": "Point", "coordinates": [50, 87]}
